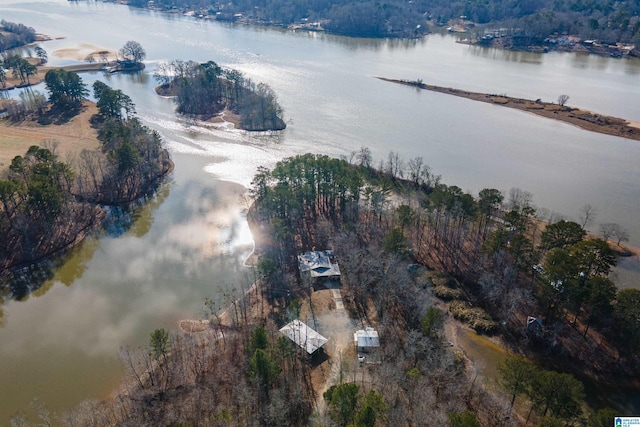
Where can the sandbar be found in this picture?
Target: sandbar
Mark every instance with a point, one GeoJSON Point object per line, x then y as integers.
{"type": "Point", "coordinates": [584, 119]}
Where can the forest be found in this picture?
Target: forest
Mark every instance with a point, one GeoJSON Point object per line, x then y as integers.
{"type": "Point", "coordinates": [205, 90]}
{"type": "Point", "coordinates": [608, 21]}
{"type": "Point", "coordinates": [502, 255]}
{"type": "Point", "coordinates": [414, 253]}
{"type": "Point", "coordinates": [47, 205]}
{"type": "Point", "coordinates": [15, 35]}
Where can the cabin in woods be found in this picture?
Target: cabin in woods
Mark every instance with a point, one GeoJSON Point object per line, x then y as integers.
{"type": "Point", "coordinates": [318, 266]}
{"type": "Point", "coordinates": [305, 337]}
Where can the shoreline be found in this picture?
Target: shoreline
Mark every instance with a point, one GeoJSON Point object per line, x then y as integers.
{"type": "Point", "coordinates": [104, 59]}
{"type": "Point", "coordinates": [570, 44]}
{"type": "Point", "coordinates": [42, 70]}
{"type": "Point", "coordinates": [583, 119]}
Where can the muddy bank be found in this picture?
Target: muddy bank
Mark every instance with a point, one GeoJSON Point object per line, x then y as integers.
{"type": "Point", "coordinates": [586, 120]}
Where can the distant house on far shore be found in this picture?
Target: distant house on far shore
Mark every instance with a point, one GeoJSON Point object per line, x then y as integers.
{"type": "Point", "coordinates": [319, 264]}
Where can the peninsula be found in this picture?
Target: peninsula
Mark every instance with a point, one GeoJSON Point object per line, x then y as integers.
{"type": "Point", "coordinates": [586, 120]}
{"type": "Point", "coordinates": [427, 275]}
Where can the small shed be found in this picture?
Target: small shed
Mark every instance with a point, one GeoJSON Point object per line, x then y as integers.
{"type": "Point", "coordinates": [303, 336]}
{"type": "Point", "coordinates": [319, 264]}
{"type": "Point", "coordinates": [366, 340]}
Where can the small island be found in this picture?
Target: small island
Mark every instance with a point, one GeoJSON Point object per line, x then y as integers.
{"type": "Point", "coordinates": [211, 93]}
{"type": "Point", "coordinates": [586, 120]}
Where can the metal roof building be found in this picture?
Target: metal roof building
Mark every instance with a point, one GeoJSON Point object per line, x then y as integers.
{"type": "Point", "coordinates": [366, 339]}
{"type": "Point", "coordinates": [318, 264]}
{"type": "Point", "coordinates": [303, 336]}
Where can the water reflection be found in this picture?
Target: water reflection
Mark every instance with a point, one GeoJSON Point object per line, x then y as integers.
{"type": "Point", "coordinates": [507, 55]}
{"type": "Point", "coordinates": [180, 246]}
{"type": "Point", "coordinates": [76, 265]}
{"type": "Point", "coordinates": [38, 278]}
{"type": "Point", "coordinates": [144, 216]}
{"type": "Point", "coordinates": [181, 250]}
{"type": "Point", "coordinates": [137, 217]}
{"type": "Point", "coordinates": [140, 77]}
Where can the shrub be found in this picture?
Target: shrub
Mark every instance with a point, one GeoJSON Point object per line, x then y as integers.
{"type": "Point", "coordinates": [475, 317]}
{"type": "Point", "coordinates": [446, 293]}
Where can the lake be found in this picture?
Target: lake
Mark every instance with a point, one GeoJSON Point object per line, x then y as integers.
{"type": "Point", "coordinates": [61, 343]}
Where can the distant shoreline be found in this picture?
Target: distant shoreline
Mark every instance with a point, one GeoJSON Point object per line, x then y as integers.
{"type": "Point", "coordinates": [586, 120]}
{"type": "Point", "coordinates": [42, 71]}
{"type": "Point", "coordinates": [104, 59]}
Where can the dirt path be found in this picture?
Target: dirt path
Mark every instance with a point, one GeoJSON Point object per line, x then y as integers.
{"type": "Point", "coordinates": [336, 325]}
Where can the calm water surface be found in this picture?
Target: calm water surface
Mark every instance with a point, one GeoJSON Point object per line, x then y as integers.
{"type": "Point", "coordinates": [61, 344]}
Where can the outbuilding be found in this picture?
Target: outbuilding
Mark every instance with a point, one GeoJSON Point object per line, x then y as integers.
{"type": "Point", "coordinates": [366, 340]}
{"type": "Point", "coordinates": [305, 337]}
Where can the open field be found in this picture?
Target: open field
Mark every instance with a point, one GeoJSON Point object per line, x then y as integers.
{"type": "Point", "coordinates": [71, 137]}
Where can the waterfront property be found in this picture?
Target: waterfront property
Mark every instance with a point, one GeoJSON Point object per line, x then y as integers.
{"type": "Point", "coordinates": [319, 264]}
{"type": "Point", "coordinates": [366, 340]}
{"type": "Point", "coordinates": [305, 337]}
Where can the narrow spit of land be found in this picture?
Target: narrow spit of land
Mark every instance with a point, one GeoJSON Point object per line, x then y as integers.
{"type": "Point", "coordinates": [583, 119]}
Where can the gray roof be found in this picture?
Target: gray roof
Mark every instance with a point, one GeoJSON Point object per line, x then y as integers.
{"type": "Point", "coordinates": [367, 338]}
{"type": "Point", "coordinates": [304, 336]}
{"type": "Point", "coordinates": [318, 264]}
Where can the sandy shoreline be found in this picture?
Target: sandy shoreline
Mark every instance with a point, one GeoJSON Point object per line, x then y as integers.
{"type": "Point", "coordinates": [84, 50]}
{"type": "Point", "coordinates": [102, 56]}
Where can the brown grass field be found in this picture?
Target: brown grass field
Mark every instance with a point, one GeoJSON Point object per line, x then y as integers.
{"type": "Point", "coordinates": [71, 137]}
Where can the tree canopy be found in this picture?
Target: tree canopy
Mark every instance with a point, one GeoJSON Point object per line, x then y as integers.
{"type": "Point", "coordinates": [206, 89]}
{"type": "Point", "coordinates": [133, 51]}
{"type": "Point", "coordinates": [562, 234]}
{"type": "Point", "coordinates": [13, 35]}
{"type": "Point", "coordinates": [112, 103]}
{"type": "Point", "coordinates": [20, 68]}
{"type": "Point", "coordinates": [607, 20]}
{"type": "Point", "coordinates": [66, 88]}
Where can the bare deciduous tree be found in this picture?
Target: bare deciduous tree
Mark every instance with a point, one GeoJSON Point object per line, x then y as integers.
{"type": "Point", "coordinates": [619, 233]}
{"type": "Point", "coordinates": [622, 236]}
{"type": "Point", "coordinates": [134, 51]}
{"type": "Point", "coordinates": [364, 157]}
{"type": "Point", "coordinates": [587, 215]}
{"type": "Point", "coordinates": [607, 229]}
{"type": "Point", "coordinates": [562, 99]}
{"type": "Point", "coordinates": [519, 198]}
{"type": "Point", "coordinates": [415, 166]}
{"type": "Point", "coordinates": [394, 166]}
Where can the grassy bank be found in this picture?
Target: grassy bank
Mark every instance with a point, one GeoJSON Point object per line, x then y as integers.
{"type": "Point", "coordinates": [71, 137]}
{"type": "Point", "coordinates": [14, 83]}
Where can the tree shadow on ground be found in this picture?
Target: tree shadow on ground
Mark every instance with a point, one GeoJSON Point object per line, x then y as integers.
{"type": "Point", "coordinates": [59, 115]}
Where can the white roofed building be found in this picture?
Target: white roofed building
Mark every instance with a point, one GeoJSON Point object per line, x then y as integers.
{"type": "Point", "coordinates": [303, 336]}
{"type": "Point", "coordinates": [366, 340]}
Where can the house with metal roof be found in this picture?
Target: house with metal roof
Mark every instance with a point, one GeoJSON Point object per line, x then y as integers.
{"type": "Point", "coordinates": [319, 264]}
{"type": "Point", "coordinates": [305, 337]}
